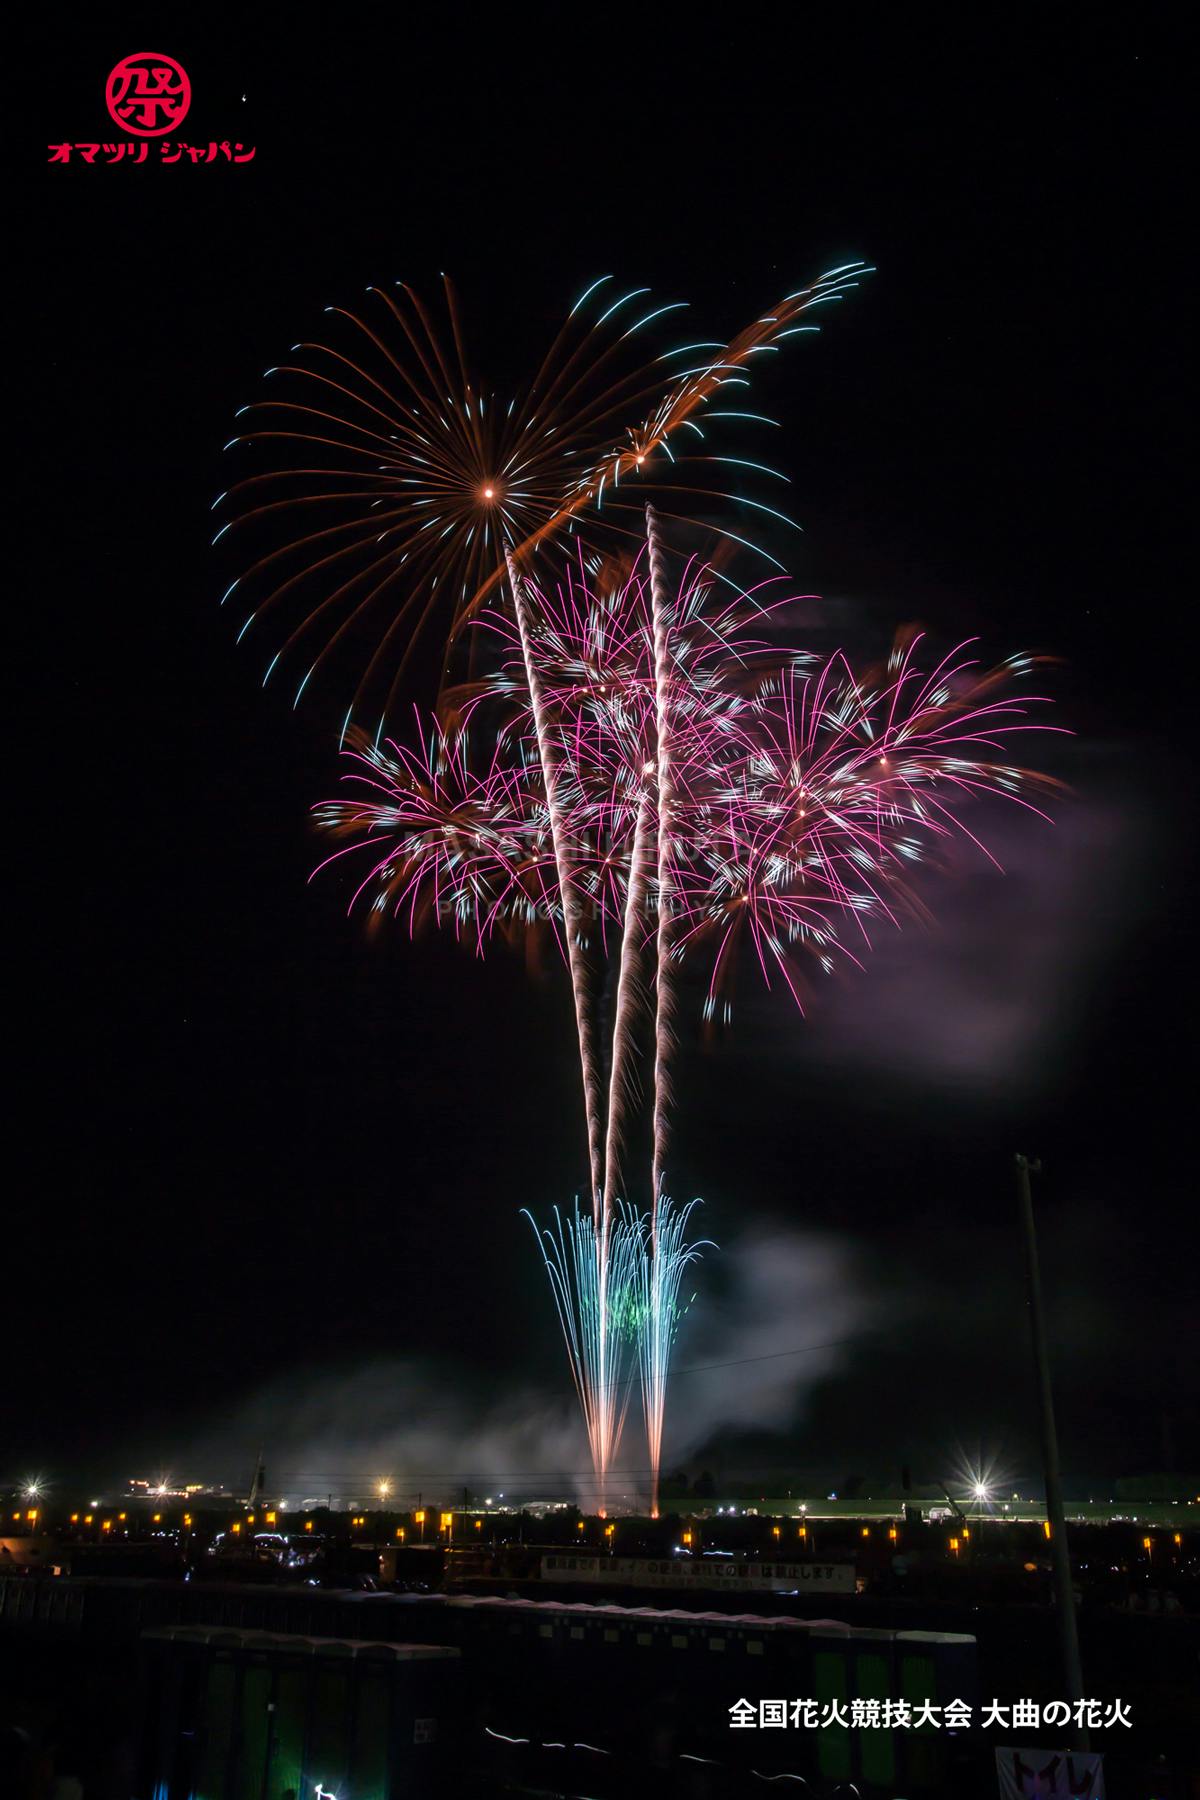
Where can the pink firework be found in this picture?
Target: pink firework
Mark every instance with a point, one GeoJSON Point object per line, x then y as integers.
{"type": "Point", "coordinates": [446, 846]}
{"type": "Point", "coordinates": [669, 772]}
{"type": "Point", "coordinates": [665, 785]}
{"type": "Point", "coordinates": [810, 824]}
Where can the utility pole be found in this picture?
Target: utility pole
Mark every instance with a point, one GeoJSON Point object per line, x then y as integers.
{"type": "Point", "coordinates": [258, 1484]}
{"type": "Point", "coordinates": [1060, 1555]}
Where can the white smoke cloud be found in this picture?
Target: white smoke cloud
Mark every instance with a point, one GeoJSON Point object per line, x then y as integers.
{"type": "Point", "coordinates": [986, 991]}
{"type": "Point", "coordinates": [791, 1305]}
{"type": "Point", "coordinates": [771, 1320]}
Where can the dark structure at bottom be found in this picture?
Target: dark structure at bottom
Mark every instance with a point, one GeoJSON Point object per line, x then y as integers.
{"type": "Point", "coordinates": [267, 1715]}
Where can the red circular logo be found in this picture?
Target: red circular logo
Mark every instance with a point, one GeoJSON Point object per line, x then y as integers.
{"type": "Point", "coordinates": [148, 94]}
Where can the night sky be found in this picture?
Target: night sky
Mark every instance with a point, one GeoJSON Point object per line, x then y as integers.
{"type": "Point", "coordinates": [254, 1154]}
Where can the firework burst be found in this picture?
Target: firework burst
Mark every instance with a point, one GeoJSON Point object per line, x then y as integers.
{"type": "Point", "coordinates": [378, 484]}
{"type": "Point", "coordinates": [669, 787]}
{"type": "Point", "coordinates": [627, 764]}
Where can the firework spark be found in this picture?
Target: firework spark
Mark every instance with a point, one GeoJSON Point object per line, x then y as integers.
{"type": "Point", "coordinates": [596, 1277]}
{"type": "Point", "coordinates": [396, 481]}
{"type": "Point", "coordinates": [666, 1257]}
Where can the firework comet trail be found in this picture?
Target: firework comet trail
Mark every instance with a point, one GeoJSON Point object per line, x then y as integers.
{"type": "Point", "coordinates": [661, 1270]}
{"type": "Point", "coordinates": [663, 988]}
{"type": "Point", "coordinates": [568, 894]}
{"type": "Point", "coordinates": [621, 1075]}
{"type": "Point", "coordinates": [593, 1374]}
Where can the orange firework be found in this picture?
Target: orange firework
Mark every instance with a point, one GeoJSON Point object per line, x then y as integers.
{"type": "Point", "coordinates": [395, 485]}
